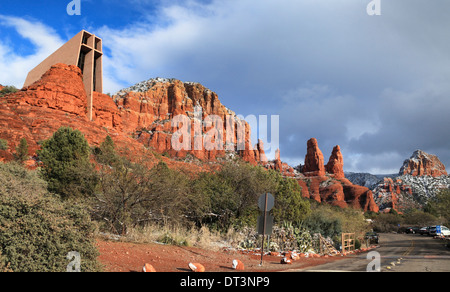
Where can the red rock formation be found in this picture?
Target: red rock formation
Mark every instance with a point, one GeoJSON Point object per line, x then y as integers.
{"type": "Point", "coordinates": [332, 187]}
{"type": "Point", "coordinates": [335, 164]}
{"type": "Point", "coordinates": [59, 100]}
{"type": "Point", "coordinates": [59, 88]}
{"type": "Point", "coordinates": [394, 194]}
{"type": "Point", "coordinates": [314, 163]}
{"type": "Point", "coordinates": [134, 119]}
{"type": "Point", "coordinates": [422, 163]}
{"type": "Point", "coordinates": [358, 196]}
{"type": "Point", "coordinates": [149, 109]}
{"type": "Point", "coordinates": [261, 152]}
{"type": "Point", "coordinates": [1, 87]}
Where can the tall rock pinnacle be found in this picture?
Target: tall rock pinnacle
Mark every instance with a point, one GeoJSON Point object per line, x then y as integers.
{"type": "Point", "coordinates": [336, 163]}
{"type": "Point", "coordinates": [314, 163]}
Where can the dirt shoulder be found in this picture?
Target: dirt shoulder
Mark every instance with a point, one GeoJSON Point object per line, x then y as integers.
{"type": "Point", "coordinates": [131, 257]}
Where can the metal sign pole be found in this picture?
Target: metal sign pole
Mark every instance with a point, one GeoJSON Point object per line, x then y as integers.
{"type": "Point", "coordinates": [264, 229]}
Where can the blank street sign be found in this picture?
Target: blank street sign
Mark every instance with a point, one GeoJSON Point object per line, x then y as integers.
{"type": "Point", "coordinates": [262, 201]}
{"type": "Point", "coordinates": [269, 224]}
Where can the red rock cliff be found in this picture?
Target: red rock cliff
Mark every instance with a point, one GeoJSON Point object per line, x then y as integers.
{"type": "Point", "coordinates": [136, 119]}
{"type": "Point", "coordinates": [150, 107]}
{"type": "Point", "coordinates": [422, 163]}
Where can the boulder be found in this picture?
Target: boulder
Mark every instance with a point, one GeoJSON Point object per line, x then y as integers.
{"type": "Point", "coordinates": [196, 267]}
{"type": "Point", "coordinates": [148, 269]}
{"type": "Point", "coordinates": [238, 265]}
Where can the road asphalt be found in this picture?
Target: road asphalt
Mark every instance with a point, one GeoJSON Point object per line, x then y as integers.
{"type": "Point", "coordinates": [395, 253]}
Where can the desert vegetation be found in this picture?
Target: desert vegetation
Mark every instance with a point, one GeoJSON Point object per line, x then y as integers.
{"type": "Point", "coordinates": [7, 90]}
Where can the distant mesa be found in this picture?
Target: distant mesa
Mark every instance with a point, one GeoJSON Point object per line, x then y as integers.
{"type": "Point", "coordinates": [423, 164]}
{"type": "Point", "coordinates": [420, 178]}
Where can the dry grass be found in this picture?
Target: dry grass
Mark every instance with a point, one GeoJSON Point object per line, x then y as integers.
{"type": "Point", "coordinates": [185, 236]}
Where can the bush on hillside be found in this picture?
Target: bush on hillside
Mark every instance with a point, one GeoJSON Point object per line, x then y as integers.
{"type": "Point", "coordinates": [38, 230]}
{"type": "Point", "coordinates": [21, 154]}
{"type": "Point", "coordinates": [66, 166]}
{"type": "Point", "coordinates": [7, 90]}
{"type": "Point", "coordinates": [3, 144]}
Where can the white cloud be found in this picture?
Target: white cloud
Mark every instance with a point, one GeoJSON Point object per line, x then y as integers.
{"type": "Point", "coordinates": [374, 85]}
{"type": "Point", "coordinates": [15, 66]}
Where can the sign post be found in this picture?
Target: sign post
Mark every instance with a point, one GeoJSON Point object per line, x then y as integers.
{"type": "Point", "coordinates": [438, 230]}
{"type": "Point", "coordinates": [265, 221]}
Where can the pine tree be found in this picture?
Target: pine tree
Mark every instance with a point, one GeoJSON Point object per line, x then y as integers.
{"type": "Point", "coordinates": [66, 166]}
{"type": "Point", "coordinates": [21, 154]}
{"type": "Point", "coordinates": [106, 154]}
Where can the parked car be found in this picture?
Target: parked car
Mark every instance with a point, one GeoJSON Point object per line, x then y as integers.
{"type": "Point", "coordinates": [372, 237]}
{"type": "Point", "coordinates": [424, 230]}
{"type": "Point", "coordinates": [412, 230]}
{"type": "Point", "coordinates": [444, 231]}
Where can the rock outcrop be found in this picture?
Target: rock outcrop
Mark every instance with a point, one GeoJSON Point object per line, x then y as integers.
{"type": "Point", "coordinates": [328, 184]}
{"type": "Point", "coordinates": [395, 194]}
{"type": "Point", "coordinates": [420, 178]}
{"type": "Point", "coordinates": [421, 164]}
{"type": "Point", "coordinates": [150, 107]}
{"type": "Point", "coordinates": [58, 100]}
{"type": "Point", "coordinates": [314, 163]}
{"type": "Point", "coordinates": [408, 192]}
{"type": "Point", "coordinates": [335, 164]}
{"type": "Point", "coordinates": [139, 118]}
{"type": "Point", "coordinates": [325, 184]}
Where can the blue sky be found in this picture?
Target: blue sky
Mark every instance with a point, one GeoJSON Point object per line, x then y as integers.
{"type": "Point", "coordinates": [376, 85]}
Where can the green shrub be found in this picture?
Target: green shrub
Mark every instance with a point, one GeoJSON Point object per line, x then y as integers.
{"type": "Point", "coordinates": [357, 243]}
{"type": "Point", "coordinates": [323, 222]}
{"type": "Point", "coordinates": [289, 204]}
{"type": "Point", "coordinates": [7, 90]}
{"type": "Point", "coordinates": [230, 195]}
{"type": "Point", "coordinates": [21, 154]}
{"type": "Point", "coordinates": [440, 206]}
{"type": "Point", "coordinates": [170, 239]}
{"type": "Point", "coordinates": [106, 153]}
{"type": "Point", "coordinates": [37, 229]}
{"type": "Point", "coordinates": [66, 166]}
{"type": "Point", "coordinates": [3, 144]}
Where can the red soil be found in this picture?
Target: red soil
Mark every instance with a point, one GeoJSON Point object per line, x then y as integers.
{"type": "Point", "coordinates": [131, 257]}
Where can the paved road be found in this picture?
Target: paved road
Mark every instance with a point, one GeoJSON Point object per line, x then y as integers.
{"type": "Point", "coordinates": [398, 253]}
